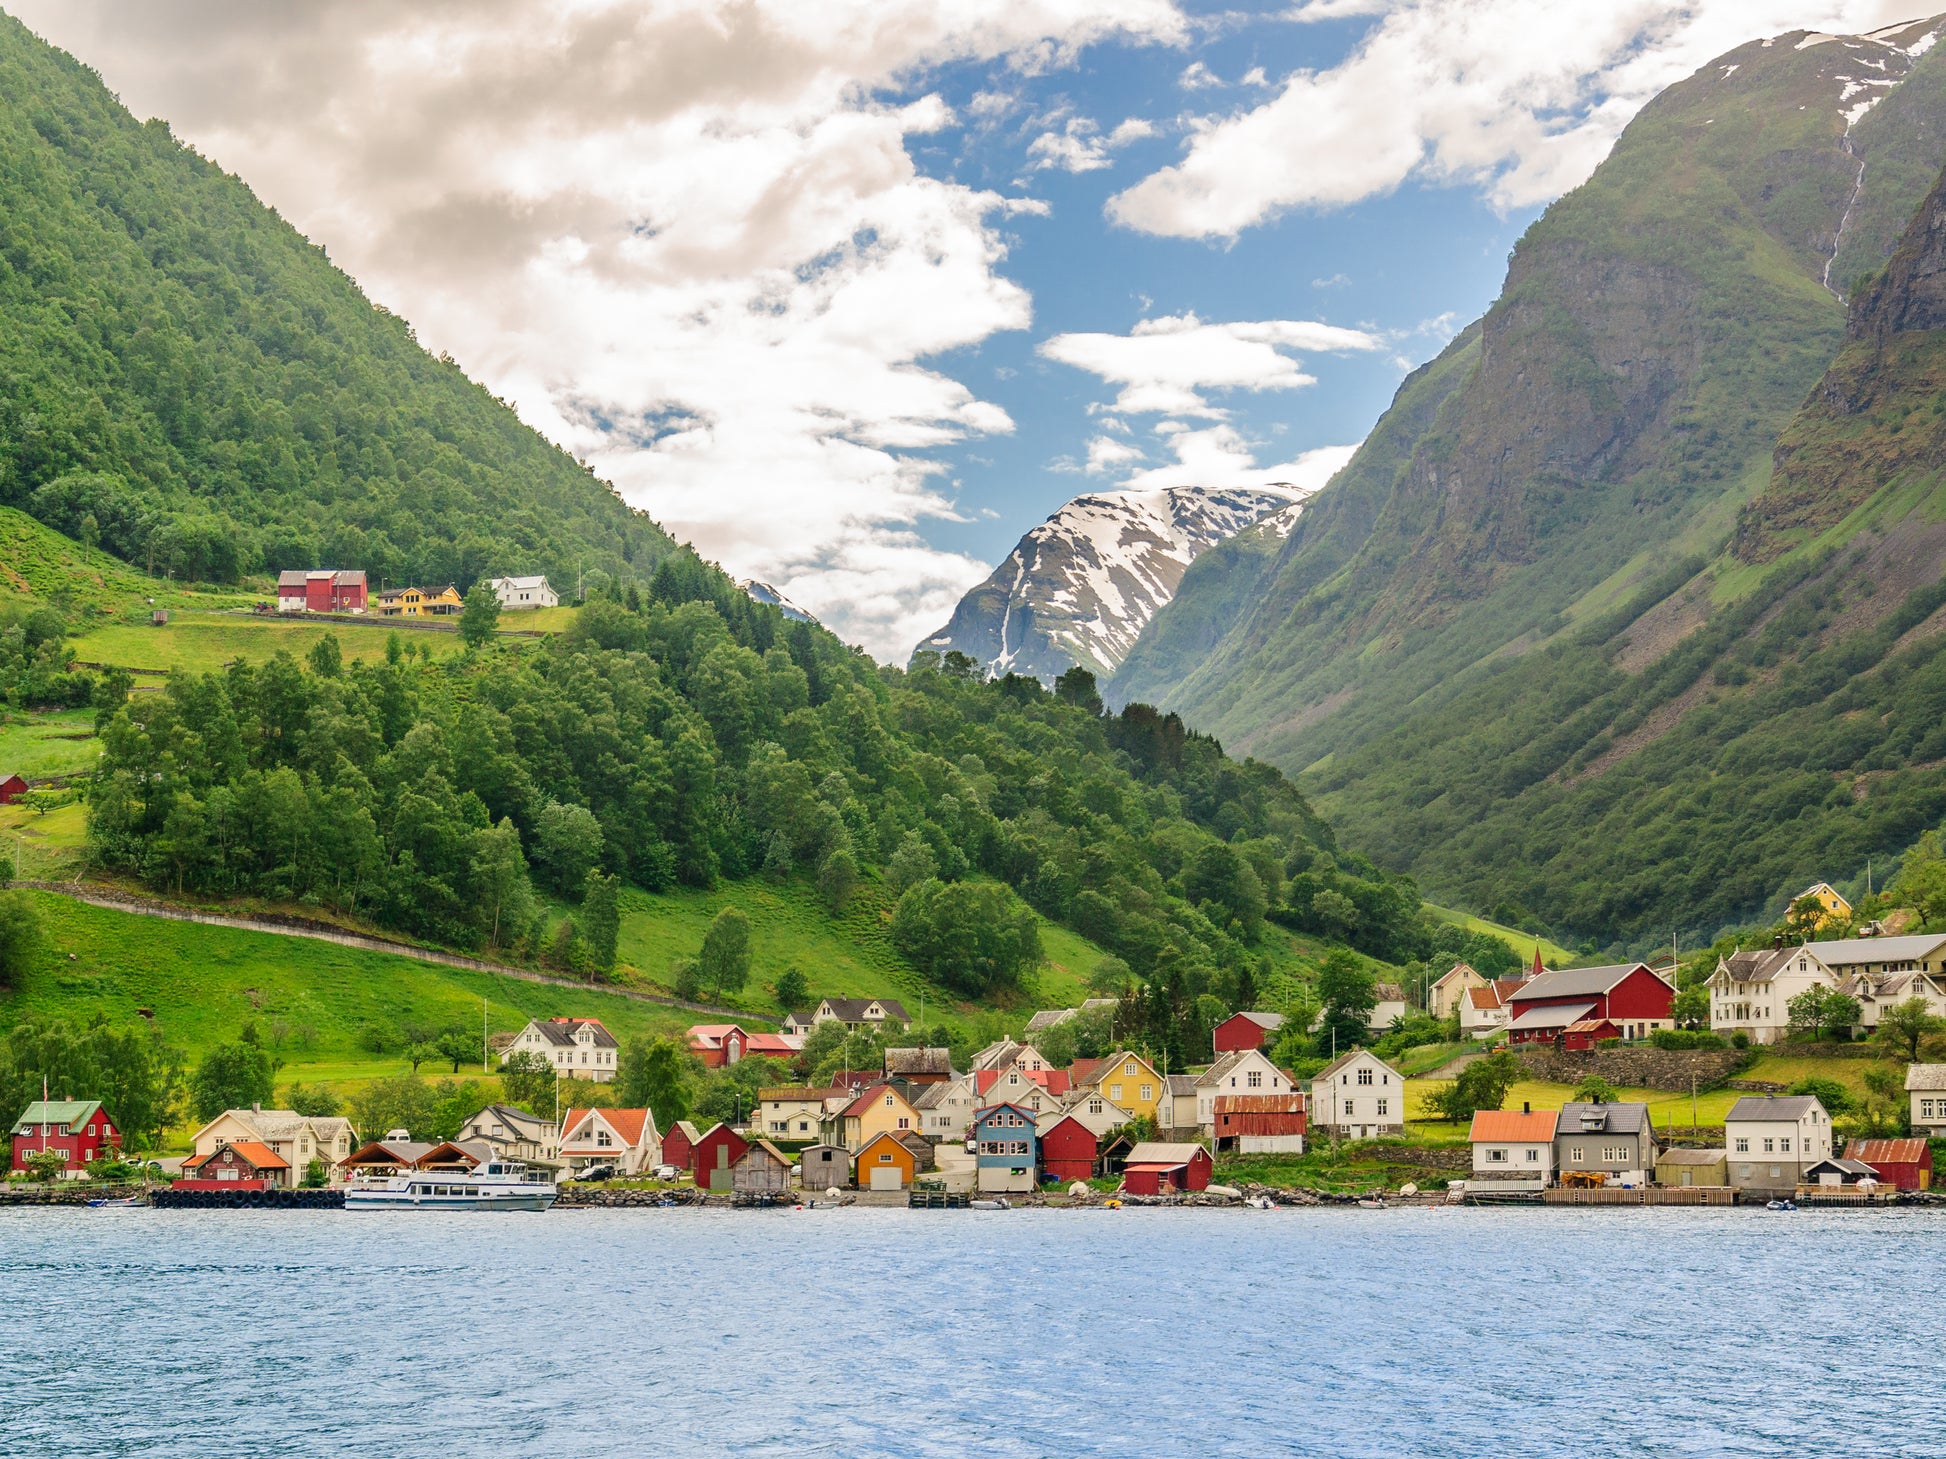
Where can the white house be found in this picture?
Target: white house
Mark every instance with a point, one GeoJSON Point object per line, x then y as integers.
{"type": "Point", "coordinates": [1176, 1110]}
{"type": "Point", "coordinates": [1358, 1096]}
{"type": "Point", "coordinates": [297, 1139]}
{"type": "Point", "coordinates": [579, 1048]}
{"type": "Point", "coordinates": [1014, 1085]}
{"type": "Point", "coordinates": [946, 1109]}
{"type": "Point", "coordinates": [514, 1133]}
{"type": "Point", "coordinates": [1391, 1006]}
{"type": "Point", "coordinates": [1751, 992]}
{"type": "Point", "coordinates": [1773, 1139]}
{"type": "Point", "coordinates": [1091, 1108]}
{"type": "Point", "coordinates": [858, 1013]}
{"type": "Point", "coordinates": [792, 1112]}
{"type": "Point", "coordinates": [516, 594]}
{"type": "Point", "coordinates": [1514, 1148]}
{"type": "Point", "coordinates": [1482, 1013]}
{"type": "Point", "coordinates": [1448, 994]}
{"type": "Point", "coordinates": [1877, 992]}
{"type": "Point", "coordinates": [1925, 1086]}
{"type": "Point", "coordinates": [1247, 1072]}
{"type": "Point", "coordinates": [624, 1138]}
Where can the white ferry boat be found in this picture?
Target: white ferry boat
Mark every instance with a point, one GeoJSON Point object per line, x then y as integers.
{"type": "Point", "coordinates": [495, 1186]}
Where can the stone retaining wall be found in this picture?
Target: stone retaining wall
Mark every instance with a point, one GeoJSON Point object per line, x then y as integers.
{"type": "Point", "coordinates": [1639, 1068]}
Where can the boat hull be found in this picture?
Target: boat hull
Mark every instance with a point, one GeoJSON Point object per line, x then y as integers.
{"type": "Point", "coordinates": [356, 1200]}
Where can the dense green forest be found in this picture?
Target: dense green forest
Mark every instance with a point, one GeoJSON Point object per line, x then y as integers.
{"type": "Point", "coordinates": [189, 383]}
{"type": "Point", "coordinates": [686, 733]}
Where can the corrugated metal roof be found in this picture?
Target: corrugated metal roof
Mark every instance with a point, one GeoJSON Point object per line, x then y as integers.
{"type": "Point", "coordinates": [1850, 951]}
{"type": "Point", "coordinates": [1552, 1015]}
{"type": "Point", "coordinates": [1888, 1152]}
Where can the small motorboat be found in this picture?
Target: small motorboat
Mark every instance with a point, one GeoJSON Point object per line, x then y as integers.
{"type": "Point", "coordinates": [1780, 1205]}
{"type": "Point", "coordinates": [1372, 1203]}
{"type": "Point", "coordinates": [999, 1204]}
{"type": "Point", "coordinates": [1261, 1203]}
{"type": "Point", "coordinates": [115, 1202]}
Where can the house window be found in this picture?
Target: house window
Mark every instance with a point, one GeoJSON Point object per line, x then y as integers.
{"type": "Point", "coordinates": [1115, 1092]}
{"type": "Point", "coordinates": [1785, 1145]}
{"type": "Point", "coordinates": [1496, 1156]}
{"type": "Point", "coordinates": [1382, 1106]}
{"type": "Point", "coordinates": [1129, 1067]}
{"type": "Point", "coordinates": [904, 1123]}
{"type": "Point", "coordinates": [1574, 1153]}
{"type": "Point", "coordinates": [1533, 1157]}
{"type": "Point", "coordinates": [1769, 1146]}
{"type": "Point", "coordinates": [1095, 1107]}
{"type": "Point", "coordinates": [1364, 1076]}
{"type": "Point", "coordinates": [1148, 1091]}
{"type": "Point", "coordinates": [888, 1101]}
{"type": "Point", "coordinates": [1254, 1079]}
{"type": "Point", "coordinates": [1776, 1171]}
{"type": "Point", "coordinates": [1743, 1148]}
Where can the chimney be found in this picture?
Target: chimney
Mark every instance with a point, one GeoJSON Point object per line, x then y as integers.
{"type": "Point", "coordinates": [256, 1108]}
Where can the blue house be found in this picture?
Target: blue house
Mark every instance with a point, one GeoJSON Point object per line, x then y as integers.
{"type": "Point", "coordinates": [1007, 1147]}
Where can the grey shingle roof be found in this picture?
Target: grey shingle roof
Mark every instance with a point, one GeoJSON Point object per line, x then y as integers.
{"type": "Point", "coordinates": [1578, 982]}
{"type": "Point", "coordinates": [1616, 1119]}
{"type": "Point", "coordinates": [1849, 951]}
{"type": "Point", "coordinates": [1772, 1107]}
{"type": "Point", "coordinates": [1925, 1076]}
{"type": "Point", "coordinates": [918, 1061]}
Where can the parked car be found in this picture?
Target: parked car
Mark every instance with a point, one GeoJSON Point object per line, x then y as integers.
{"type": "Point", "coordinates": [668, 1172]}
{"type": "Point", "coordinates": [594, 1172]}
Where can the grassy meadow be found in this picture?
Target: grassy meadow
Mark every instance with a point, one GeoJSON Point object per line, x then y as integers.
{"type": "Point", "coordinates": [38, 744]}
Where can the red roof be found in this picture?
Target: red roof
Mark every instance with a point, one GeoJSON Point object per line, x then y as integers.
{"type": "Point", "coordinates": [1488, 997]}
{"type": "Point", "coordinates": [770, 1046]}
{"type": "Point", "coordinates": [1082, 1071]}
{"type": "Point", "coordinates": [1511, 1126]}
{"type": "Point", "coordinates": [259, 1155]}
{"type": "Point", "coordinates": [627, 1123]}
{"type": "Point", "coordinates": [866, 1100]}
{"type": "Point", "coordinates": [1888, 1152]}
{"type": "Point", "coordinates": [704, 1035]}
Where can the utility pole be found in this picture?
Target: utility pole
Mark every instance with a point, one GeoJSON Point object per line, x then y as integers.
{"type": "Point", "coordinates": [483, 1036]}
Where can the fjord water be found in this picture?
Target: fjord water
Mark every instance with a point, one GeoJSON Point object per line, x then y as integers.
{"type": "Point", "coordinates": [869, 1332]}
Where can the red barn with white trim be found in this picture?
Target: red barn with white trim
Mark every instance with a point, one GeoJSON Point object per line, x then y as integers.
{"type": "Point", "coordinates": [1068, 1150]}
{"type": "Point", "coordinates": [1626, 995]}
{"type": "Point", "coordinates": [1243, 1031]}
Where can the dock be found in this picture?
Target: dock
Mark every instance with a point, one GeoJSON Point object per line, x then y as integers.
{"type": "Point", "coordinates": [1653, 1195]}
{"type": "Point", "coordinates": [937, 1200]}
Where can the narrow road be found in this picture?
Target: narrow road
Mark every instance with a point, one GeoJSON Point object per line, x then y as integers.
{"type": "Point", "coordinates": [116, 901]}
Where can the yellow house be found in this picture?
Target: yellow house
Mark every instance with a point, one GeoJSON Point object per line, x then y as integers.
{"type": "Point", "coordinates": [880, 1110]}
{"type": "Point", "coordinates": [1129, 1081]}
{"type": "Point", "coordinates": [419, 602]}
{"type": "Point", "coordinates": [1836, 908]}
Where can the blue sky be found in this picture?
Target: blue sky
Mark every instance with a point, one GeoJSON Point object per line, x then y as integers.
{"type": "Point", "coordinates": [852, 293]}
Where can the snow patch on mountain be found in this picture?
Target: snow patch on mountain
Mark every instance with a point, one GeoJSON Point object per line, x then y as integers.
{"type": "Point", "coordinates": [1080, 587]}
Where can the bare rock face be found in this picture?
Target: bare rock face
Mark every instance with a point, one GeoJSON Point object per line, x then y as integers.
{"type": "Point", "coordinates": [1080, 587]}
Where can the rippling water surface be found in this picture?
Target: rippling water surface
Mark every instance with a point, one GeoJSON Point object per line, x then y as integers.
{"type": "Point", "coordinates": [868, 1332]}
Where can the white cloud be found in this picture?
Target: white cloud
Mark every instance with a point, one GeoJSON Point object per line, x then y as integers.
{"type": "Point", "coordinates": [1106, 454]}
{"type": "Point", "coordinates": [686, 238]}
{"type": "Point", "coordinates": [1519, 97]}
{"type": "Point", "coordinates": [1169, 364]}
{"type": "Point", "coordinates": [1218, 456]}
{"type": "Point", "coordinates": [1081, 146]}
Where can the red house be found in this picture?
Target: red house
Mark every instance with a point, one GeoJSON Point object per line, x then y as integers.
{"type": "Point", "coordinates": [321, 590]}
{"type": "Point", "coordinates": [12, 787]}
{"type": "Point", "coordinates": [679, 1145]}
{"type": "Point", "coordinates": [78, 1129]}
{"type": "Point", "coordinates": [1242, 1031]}
{"type": "Point", "coordinates": [1903, 1164]}
{"type": "Point", "coordinates": [1627, 997]}
{"type": "Point", "coordinates": [716, 1152]}
{"type": "Point", "coordinates": [718, 1044]}
{"type": "Point", "coordinates": [245, 1165]}
{"type": "Point", "coordinates": [1157, 1169]}
{"type": "Point", "coordinates": [1068, 1150]}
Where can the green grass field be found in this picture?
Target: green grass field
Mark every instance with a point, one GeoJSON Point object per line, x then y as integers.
{"type": "Point", "coordinates": [202, 642]}
{"type": "Point", "coordinates": [57, 743]}
{"type": "Point", "coordinates": [202, 984]}
{"type": "Point", "coordinates": [850, 956]}
{"type": "Point", "coordinates": [43, 846]}
{"type": "Point", "coordinates": [1523, 943]}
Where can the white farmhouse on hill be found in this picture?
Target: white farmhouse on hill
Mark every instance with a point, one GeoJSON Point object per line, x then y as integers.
{"type": "Point", "coordinates": [516, 594]}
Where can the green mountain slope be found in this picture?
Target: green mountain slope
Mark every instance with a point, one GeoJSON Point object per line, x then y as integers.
{"type": "Point", "coordinates": [189, 382]}
{"type": "Point", "coordinates": [1658, 328]}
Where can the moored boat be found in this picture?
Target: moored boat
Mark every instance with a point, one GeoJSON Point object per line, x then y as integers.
{"type": "Point", "coordinates": [495, 1186]}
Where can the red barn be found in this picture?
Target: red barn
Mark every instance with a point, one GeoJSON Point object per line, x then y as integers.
{"type": "Point", "coordinates": [321, 590]}
{"type": "Point", "coordinates": [679, 1145]}
{"type": "Point", "coordinates": [1242, 1031]}
{"type": "Point", "coordinates": [1903, 1164]}
{"type": "Point", "coordinates": [1260, 1123]}
{"type": "Point", "coordinates": [1068, 1150]}
{"type": "Point", "coordinates": [1627, 995]}
{"type": "Point", "coordinates": [716, 1152]}
{"type": "Point", "coordinates": [718, 1044]}
{"type": "Point", "coordinates": [1157, 1169]}
{"type": "Point", "coordinates": [12, 787]}
{"type": "Point", "coordinates": [78, 1129]}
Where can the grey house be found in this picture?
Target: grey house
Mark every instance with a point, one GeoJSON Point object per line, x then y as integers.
{"type": "Point", "coordinates": [823, 1166]}
{"type": "Point", "coordinates": [1617, 1140]}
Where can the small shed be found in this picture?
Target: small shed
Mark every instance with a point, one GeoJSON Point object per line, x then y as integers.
{"type": "Point", "coordinates": [923, 1158]}
{"type": "Point", "coordinates": [1692, 1167]}
{"type": "Point", "coordinates": [1068, 1150]}
{"type": "Point", "coordinates": [1158, 1169]}
{"type": "Point", "coordinates": [717, 1153]}
{"type": "Point", "coordinates": [679, 1145]}
{"type": "Point", "coordinates": [762, 1170]}
{"type": "Point", "coordinates": [1903, 1164]}
{"type": "Point", "coordinates": [886, 1163]}
{"type": "Point", "coordinates": [1246, 1030]}
{"type": "Point", "coordinates": [12, 787]}
{"type": "Point", "coordinates": [160, 617]}
{"type": "Point", "coordinates": [1585, 1033]}
{"type": "Point", "coordinates": [823, 1166]}
{"type": "Point", "coordinates": [1112, 1158]}
{"type": "Point", "coordinates": [1836, 1170]}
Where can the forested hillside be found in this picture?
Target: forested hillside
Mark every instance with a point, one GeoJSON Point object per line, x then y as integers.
{"type": "Point", "coordinates": [189, 383]}
{"type": "Point", "coordinates": [1600, 626]}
